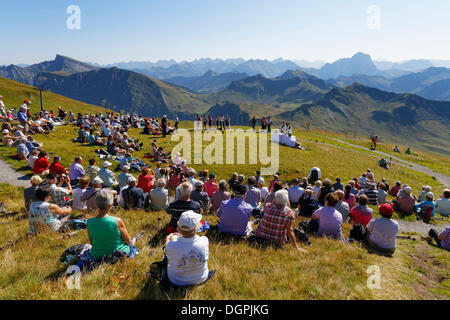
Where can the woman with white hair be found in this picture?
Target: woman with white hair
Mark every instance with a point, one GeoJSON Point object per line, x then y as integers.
{"type": "Point", "coordinates": [425, 209]}
{"type": "Point", "coordinates": [263, 189]}
{"type": "Point", "coordinates": [276, 223]}
{"type": "Point", "coordinates": [187, 253]}
{"type": "Point", "coordinates": [108, 235]}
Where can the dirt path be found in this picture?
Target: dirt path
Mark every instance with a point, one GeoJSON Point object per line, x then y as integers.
{"type": "Point", "coordinates": [12, 177]}
{"type": "Point", "coordinates": [442, 178]}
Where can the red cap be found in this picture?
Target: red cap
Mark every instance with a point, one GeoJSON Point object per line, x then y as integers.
{"type": "Point", "coordinates": [386, 209]}
{"type": "Point", "coordinates": [82, 126]}
{"type": "Point", "coordinates": [27, 101]}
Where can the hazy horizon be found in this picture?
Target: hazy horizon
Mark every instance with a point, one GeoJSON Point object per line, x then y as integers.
{"type": "Point", "coordinates": [117, 31]}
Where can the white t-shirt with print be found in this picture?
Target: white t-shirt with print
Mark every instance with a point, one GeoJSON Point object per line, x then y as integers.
{"type": "Point", "coordinates": [188, 260]}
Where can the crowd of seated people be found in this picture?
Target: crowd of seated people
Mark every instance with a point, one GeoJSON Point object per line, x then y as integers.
{"type": "Point", "coordinates": [245, 207]}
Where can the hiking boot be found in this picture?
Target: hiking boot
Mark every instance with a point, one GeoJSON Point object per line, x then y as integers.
{"type": "Point", "coordinates": [428, 239]}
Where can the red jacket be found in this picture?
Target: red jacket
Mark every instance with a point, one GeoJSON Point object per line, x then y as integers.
{"type": "Point", "coordinates": [40, 165]}
{"type": "Point", "coordinates": [57, 168]}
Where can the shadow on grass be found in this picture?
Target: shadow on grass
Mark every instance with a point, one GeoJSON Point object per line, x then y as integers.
{"type": "Point", "coordinates": [154, 289]}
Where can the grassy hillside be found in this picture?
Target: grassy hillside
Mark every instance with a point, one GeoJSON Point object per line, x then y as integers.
{"type": "Point", "coordinates": [331, 270]}
{"type": "Point", "coordinates": [125, 91]}
{"type": "Point", "coordinates": [14, 93]}
{"type": "Point", "coordinates": [401, 119]}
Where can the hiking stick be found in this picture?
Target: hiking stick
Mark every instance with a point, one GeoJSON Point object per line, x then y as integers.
{"type": "Point", "coordinates": [71, 233]}
{"type": "Point", "coordinates": [406, 237]}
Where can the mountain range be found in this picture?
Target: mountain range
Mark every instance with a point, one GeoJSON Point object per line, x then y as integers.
{"type": "Point", "coordinates": [339, 105]}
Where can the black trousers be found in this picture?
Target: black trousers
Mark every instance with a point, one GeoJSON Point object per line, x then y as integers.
{"type": "Point", "coordinates": [434, 234]}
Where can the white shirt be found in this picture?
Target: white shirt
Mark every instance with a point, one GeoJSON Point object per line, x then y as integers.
{"type": "Point", "coordinates": [31, 160]}
{"type": "Point", "coordinates": [264, 193]}
{"type": "Point", "coordinates": [383, 232]}
{"type": "Point", "coordinates": [443, 206]}
{"type": "Point", "coordinates": [188, 260]}
{"type": "Point", "coordinates": [77, 203]}
{"type": "Point", "coordinates": [319, 175]}
{"type": "Point", "coordinates": [295, 193]}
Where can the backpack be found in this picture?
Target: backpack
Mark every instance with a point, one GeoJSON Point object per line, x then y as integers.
{"type": "Point", "coordinates": [358, 232]}
{"type": "Point", "coordinates": [425, 213]}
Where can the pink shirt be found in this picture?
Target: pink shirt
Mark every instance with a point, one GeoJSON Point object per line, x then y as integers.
{"type": "Point", "coordinates": [350, 201]}
{"type": "Point", "coordinates": [210, 188]}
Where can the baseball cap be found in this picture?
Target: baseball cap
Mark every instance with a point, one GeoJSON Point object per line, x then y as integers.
{"type": "Point", "coordinates": [5, 131]}
{"type": "Point", "coordinates": [386, 209]}
{"type": "Point", "coordinates": [199, 184]}
{"type": "Point", "coordinates": [106, 164]}
{"type": "Point", "coordinates": [96, 181]}
{"type": "Point", "coordinates": [189, 220]}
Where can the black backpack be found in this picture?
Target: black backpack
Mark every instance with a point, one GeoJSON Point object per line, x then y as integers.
{"type": "Point", "coordinates": [358, 232]}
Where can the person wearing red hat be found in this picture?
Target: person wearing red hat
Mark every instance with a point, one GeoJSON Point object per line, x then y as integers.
{"type": "Point", "coordinates": [383, 231]}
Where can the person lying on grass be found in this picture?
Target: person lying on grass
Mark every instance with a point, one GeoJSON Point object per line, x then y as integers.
{"type": "Point", "coordinates": [442, 239]}
{"type": "Point", "coordinates": [43, 214]}
{"type": "Point", "coordinates": [187, 253]}
{"type": "Point", "coordinates": [276, 224]}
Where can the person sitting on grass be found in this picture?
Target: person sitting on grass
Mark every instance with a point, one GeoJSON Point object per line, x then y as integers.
{"type": "Point", "coordinates": [235, 214]}
{"type": "Point", "coordinates": [382, 194]}
{"type": "Point", "coordinates": [187, 253]}
{"type": "Point", "coordinates": [30, 193]}
{"type": "Point", "coordinates": [349, 197]}
{"type": "Point", "coordinates": [108, 235]}
{"type": "Point", "coordinates": [22, 150]}
{"type": "Point", "coordinates": [443, 204]}
{"type": "Point", "coordinates": [94, 140]}
{"type": "Point", "coordinates": [406, 202]}
{"type": "Point", "coordinates": [276, 224]}
{"type": "Point", "coordinates": [277, 186]}
{"type": "Point", "coordinates": [76, 171]}
{"type": "Point", "coordinates": [307, 204]}
{"type": "Point", "coordinates": [361, 214]}
{"type": "Point", "coordinates": [133, 197]}
{"type": "Point", "coordinates": [326, 189]}
{"type": "Point", "coordinates": [425, 210]}
{"type": "Point", "coordinates": [442, 239]}
{"type": "Point", "coordinates": [107, 176]}
{"type": "Point", "coordinates": [145, 180]}
{"type": "Point", "coordinates": [159, 196]}
{"type": "Point", "coordinates": [7, 140]}
{"type": "Point", "coordinates": [78, 193]}
{"type": "Point", "coordinates": [92, 169]}
{"type": "Point", "coordinates": [422, 195]}
{"type": "Point", "coordinates": [43, 214]}
{"type": "Point", "coordinates": [59, 193]}
{"type": "Point", "coordinates": [342, 206]}
{"type": "Point", "coordinates": [56, 167]}
{"type": "Point", "coordinates": [330, 220]}
{"type": "Point", "coordinates": [41, 165]}
{"type": "Point", "coordinates": [123, 176]}
{"type": "Point", "coordinates": [200, 196]}
{"type": "Point", "coordinates": [32, 158]}
{"type": "Point", "coordinates": [211, 186]}
{"type": "Point", "coordinates": [395, 189]}
{"type": "Point", "coordinates": [382, 232]}
{"type": "Point", "coordinates": [219, 196]}
{"type": "Point", "coordinates": [177, 207]}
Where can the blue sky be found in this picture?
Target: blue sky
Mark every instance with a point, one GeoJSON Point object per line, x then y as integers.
{"type": "Point", "coordinates": [138, 30]}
